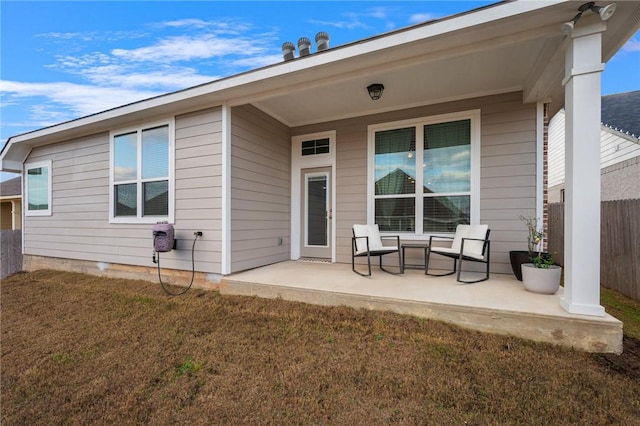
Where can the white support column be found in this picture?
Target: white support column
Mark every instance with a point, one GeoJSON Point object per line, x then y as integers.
{"type": "Point", "coordinates": [225, 255]}
{"type": "Point", "coordinates": [16, 214]}
{"type": "Point", "coordinates": [583, 69]}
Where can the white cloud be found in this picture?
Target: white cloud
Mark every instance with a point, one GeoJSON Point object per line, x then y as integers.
{"type": "Point", "coordinates": [184, 48]}
{"type": "Point", "coordinates": [417, 18]}
{"type": "Point", "coordinates": [191, 23]}
{"type": "Point", "coordinates": [257, 61]}
{"type": "Point", "coordinates": [219, 26]}
{"type": "Point", "coordinates": [169, 78]}
{"type": "Point", "coordinates": [75, 99]}
{"type": "Point", "coordinates": [632, 45]}
{"type": "Point", "coordinates": [378, 13]}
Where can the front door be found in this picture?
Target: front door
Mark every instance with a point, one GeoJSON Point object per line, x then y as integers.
{"type": "Point", "coordinates": [317, 213]}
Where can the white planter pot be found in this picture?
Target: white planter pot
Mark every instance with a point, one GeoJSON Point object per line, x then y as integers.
{"type": "Point", "coordinates": [540, 280]}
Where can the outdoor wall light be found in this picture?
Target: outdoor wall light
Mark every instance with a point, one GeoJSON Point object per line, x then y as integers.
{"type": "Point", "coordinates": [375, 91]}
{"type": "Point", "coordinates": [605, 13]}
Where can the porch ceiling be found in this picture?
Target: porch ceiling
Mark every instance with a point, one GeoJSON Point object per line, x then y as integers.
{"type": "Point", "coordinates": [428, 81]}
{"type": "Point", "coordinates": [522, 53]}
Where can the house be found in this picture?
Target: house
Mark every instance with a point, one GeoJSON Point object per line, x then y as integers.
{"type": "Point", "coordinates": [11, 204]}
{"type": "Point", "coordinates": [10, 226]}
{"type": "Point", "coordinates": [249, 160]}
{"type": "Point", "coordinates": [619, 149]}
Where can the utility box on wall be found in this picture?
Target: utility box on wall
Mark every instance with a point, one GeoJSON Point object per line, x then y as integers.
{"type": "Point", "coordinates": [163, 237]}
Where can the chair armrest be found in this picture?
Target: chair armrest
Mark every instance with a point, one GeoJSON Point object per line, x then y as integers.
{"type": "Point", "coordinates": [396, 237]}
{"type": "Point", "coordinates": [446, 237]}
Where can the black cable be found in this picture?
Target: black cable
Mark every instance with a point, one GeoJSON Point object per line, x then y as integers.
{"type": "Point", "coordinates": [193, 272]}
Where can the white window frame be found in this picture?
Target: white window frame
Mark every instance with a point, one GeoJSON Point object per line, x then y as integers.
{"type": "Point", "coordinates": [298, 163]}
{"type": "Point", "coordinates": [36, 165]}
{"type": "Point", "coordinates": [139, 218]}
{"type": "Point", "coordinates": [418, 123]}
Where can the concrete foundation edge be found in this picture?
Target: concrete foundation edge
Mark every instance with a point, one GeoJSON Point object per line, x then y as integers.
{"type": "Point", "coordinates": [175, 277]}
{"type": "Point", "coordinates": [585, 334]}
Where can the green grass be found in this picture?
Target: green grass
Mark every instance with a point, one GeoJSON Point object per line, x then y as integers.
{"type": "Point", "coordinates": [624, 308]}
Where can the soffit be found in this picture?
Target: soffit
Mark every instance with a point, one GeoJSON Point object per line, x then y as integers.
{"type": "Point", "coordinates": [522, 53]}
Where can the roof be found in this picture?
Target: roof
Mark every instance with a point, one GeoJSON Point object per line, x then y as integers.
{"type": "Point", "coordinates": [11, 187]}
{"type": "Point", "coordinates": [621, 112]}
{"type": "Point", "coordinates": [510, 46]}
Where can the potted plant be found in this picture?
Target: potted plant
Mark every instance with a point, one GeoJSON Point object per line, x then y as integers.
{"type": "Point", "coordinates": [540, 274]}
{"type": "Point", "coordinates": [518, 257]}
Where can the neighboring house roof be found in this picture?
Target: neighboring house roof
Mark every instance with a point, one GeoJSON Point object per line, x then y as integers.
{"type": "Point", "coordinates": [504, 47]}
{"type": "Point", "coordinates": [621, 112]}
{"type": "Point", "coordinates": [11, 188]}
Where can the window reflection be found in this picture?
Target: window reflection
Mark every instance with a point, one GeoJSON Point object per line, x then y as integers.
{"type": "Point", "coordinates": [125, 157]}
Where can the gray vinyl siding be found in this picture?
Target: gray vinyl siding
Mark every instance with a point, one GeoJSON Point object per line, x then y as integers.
{"type": "Point", "coordinates": [79, 226]}
{"type": "Point", "coordinates": [507, 175]}
{"type": "Point", "coordinates": [260, 189]}
{"type": "Point", "coordinates": [617, 152]}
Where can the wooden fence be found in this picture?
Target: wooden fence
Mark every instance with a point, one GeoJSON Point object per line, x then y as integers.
{"type": "Point", "coordinates": [10, 252]}
{"type": "Point", "coordinates": [619, 243]}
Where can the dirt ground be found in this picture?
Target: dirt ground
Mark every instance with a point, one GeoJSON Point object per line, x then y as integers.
{"type": "Point", "coordinates": [79, 349]}
{"type": "Point", "coordinates": [628, 363]}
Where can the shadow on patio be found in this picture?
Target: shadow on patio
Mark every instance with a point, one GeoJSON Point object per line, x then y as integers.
{"type": "Point", "coordinates": [499, 305]}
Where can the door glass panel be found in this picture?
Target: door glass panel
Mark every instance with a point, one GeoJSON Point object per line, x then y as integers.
{"type": "Point", "coordinates": [317, 211]}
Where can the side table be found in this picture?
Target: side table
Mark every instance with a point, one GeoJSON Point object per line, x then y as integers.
{"type": "Point", "coordinates": [423, 246]}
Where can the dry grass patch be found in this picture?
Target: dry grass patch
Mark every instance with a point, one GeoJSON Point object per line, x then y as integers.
{"type": "Point", "coordinates": [78, 349]}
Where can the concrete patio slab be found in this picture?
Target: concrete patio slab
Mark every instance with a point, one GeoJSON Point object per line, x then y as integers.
{"type": "Point", "coordinates": [500, 305]}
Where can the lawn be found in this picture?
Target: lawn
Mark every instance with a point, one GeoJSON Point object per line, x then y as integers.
{"type": "Point", "coordinates": [79, 349]}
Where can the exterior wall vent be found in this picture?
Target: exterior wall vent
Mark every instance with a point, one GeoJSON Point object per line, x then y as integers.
{"type": "Point", "coordinates": [304, 46]}
{"type": "Point", "coordinates": [322, 40]}
{"type": "Point", "coordinates": [288, 50]}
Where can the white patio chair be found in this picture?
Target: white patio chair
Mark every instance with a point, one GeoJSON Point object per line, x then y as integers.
{"type": "Point", "coordinates": [470, 243]}
{"type": "Point", "coordinates": [367, 241]}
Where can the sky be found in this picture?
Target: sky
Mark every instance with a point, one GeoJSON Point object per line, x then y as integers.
{"type": "Point", "coordinates": [64, 60]}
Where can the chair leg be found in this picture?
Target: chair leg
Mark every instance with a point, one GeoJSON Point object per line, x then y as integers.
{"type": "Point", "coordinates": [353, 261]}
{"type": "Point", "coordinates": [389, 272]}
{"type": "Point", "coordinates": [426, 267]}
{"type": "Point", "coordinates": [473, 281]}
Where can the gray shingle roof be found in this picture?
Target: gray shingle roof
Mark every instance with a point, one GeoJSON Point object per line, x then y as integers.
{"type": "Point", "coordinates": [622, 112]}
{"type": "Point", "coordinates": [11, 187]}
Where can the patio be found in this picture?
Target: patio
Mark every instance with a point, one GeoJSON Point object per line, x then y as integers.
{"type": "Point", "coordinates": [499, 305]}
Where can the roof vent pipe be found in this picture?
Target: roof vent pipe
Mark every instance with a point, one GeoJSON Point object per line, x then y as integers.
{"type": "Point", "coordinates": [322, 40]}
{"type": "Point", "coordinates": [304, 46]}
{"type": "Point", "coordinates": [288, 50]}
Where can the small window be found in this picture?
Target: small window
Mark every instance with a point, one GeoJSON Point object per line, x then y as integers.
{"type": "Point", "coordinates": [38, 189]}
{"type": "Point", "coordinates": [315, 147]}
{"type": "Point", "coordinates": [141, 174]}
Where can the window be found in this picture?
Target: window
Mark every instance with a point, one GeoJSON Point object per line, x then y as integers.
{"type": "Point", "coordinates": [38, 189]}
{"type": "Point", "coordinates": [316, 146]}
{"type": "Point", "coordinates": [141, 174]}
{"type": "Point", "coordinates": [422, 176]}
